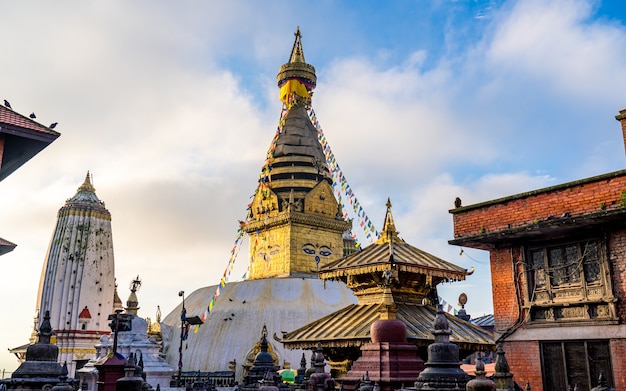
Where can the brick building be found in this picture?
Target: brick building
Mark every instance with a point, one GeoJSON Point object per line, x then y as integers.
{"type": "Point", "coordinates": [558, 270]}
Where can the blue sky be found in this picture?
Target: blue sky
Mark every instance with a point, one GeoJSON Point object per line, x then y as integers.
{"type": "Point", "coordinates": [172, 107]}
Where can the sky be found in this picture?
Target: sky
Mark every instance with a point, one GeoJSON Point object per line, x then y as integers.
{"type": "Point", "coordinates": [173, 105]}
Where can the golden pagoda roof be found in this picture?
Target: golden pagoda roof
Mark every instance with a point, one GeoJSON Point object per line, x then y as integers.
{"type": "Point", "coordinates": [350, 327]}
{"type": "Point", "coordinates": [392, 252]}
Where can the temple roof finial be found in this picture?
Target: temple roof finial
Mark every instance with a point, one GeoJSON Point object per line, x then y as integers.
{"type": "Point", "coordinates": [389, 232]}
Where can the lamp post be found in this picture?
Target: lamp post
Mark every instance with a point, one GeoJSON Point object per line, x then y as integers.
{"type": "Point", "coordinates": [183, 321]}
{"type": "Point", "coordinates": [185, 324]}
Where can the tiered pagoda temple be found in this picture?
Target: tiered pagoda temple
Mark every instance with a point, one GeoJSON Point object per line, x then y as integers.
{"type": "Point", "coordinates": [391, 280]}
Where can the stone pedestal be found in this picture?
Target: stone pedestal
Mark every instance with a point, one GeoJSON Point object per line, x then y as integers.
{"type": "Point", "coordinates": [389, 360]}
{"type": "Point", "coordinates": [109, 371]}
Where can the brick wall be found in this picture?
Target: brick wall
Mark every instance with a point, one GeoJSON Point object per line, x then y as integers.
{"type": "Point", "coordinates": [618, 361]}
{"type": "Point", "coordinates": [505, 304]}
{"type": "Point", "coordinates": [582, 197]}
{"type": "Point", "coordinates": [524, 360]}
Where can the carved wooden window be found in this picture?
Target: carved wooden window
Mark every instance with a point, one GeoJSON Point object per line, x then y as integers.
{"type": "Point", "coordinates": [569, 281]}
{"type": "Point", "coordinates": [565, 364]}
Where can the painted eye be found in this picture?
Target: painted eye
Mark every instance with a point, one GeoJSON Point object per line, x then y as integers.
{"type": "Point", "coordinates": [274, 251]}
{"type": "Point", "coordinates": [262, 256]}
{"type": "Point", "coordinates": [325, 251]}
{"type": "Point", "coordinates": [309, 249]}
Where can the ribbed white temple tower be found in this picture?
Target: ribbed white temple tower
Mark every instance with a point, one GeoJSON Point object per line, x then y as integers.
{"type": "Point", "coordinates": [77, 282]}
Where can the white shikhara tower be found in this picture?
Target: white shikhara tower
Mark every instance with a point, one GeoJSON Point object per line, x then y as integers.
{"type": "Point", "coordinates": [77, 282]}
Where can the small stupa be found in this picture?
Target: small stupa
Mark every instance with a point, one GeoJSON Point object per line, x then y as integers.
{"type": "Point", "coordinates": [443, 369]}
{"type": "Point", "coordinates": [133, 379]}
{"type": "Point", "coordinates": [319, 380]}
{"type": "Point", "coordinates": [480, 383]}
{"type": "Point", "coordinates": [41, 369]}
{"type": "Point", "coordinates": [131, 339]}
{"type": "Point", "coordinates": [503, 377]}
{"type": "Point", "coordinates": [263, 371]}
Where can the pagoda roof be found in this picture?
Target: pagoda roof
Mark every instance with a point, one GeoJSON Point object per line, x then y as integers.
{"type": "Point", "coordinates": [350, 327]}
{"type": "Point", "coordinates": [6, 246]}
{"type": "Point", "coordinates": [23, 138]}
{"type": "Point", "coordinates": [401, 256]}
{"type": "Point", "coordinates": [392, 252]}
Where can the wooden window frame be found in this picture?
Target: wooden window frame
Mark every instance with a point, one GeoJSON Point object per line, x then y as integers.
{"type": "Point", "coordinates": [564, 366]}
{"type": "Point", "coordinates": [574, 301]}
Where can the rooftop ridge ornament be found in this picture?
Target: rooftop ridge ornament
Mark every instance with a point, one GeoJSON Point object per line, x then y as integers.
{"type": "Point", "coordinates": [296, 79]}
{"type": "Point", "coordinates": [389, 233]}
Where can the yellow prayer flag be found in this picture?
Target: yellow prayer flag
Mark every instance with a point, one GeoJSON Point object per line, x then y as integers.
{"type": "Point", "coordinates": [291, 86]}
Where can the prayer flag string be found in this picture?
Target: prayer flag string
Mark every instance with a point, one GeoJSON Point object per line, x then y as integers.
{"type": "Point", "coordinates": [343, 191]}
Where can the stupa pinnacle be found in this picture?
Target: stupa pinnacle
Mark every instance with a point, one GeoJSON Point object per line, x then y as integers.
{"type": "Point", "coordinates": [296, 79]}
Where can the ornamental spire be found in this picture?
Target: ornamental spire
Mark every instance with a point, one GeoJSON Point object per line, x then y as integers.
{"type": "Point", "coordinates": [297, 55]}
{"type": "Point", "coordinates": [86, 193]}
{"type": "Point", "coordinates": [87, 186]}
{"type": "Point", "coordinates": [389, 233]}
{"type": "Point", "coordinates": [296, 79]}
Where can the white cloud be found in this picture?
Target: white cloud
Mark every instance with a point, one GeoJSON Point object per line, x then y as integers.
{"type": "Point", "coordinates": [556, 43]}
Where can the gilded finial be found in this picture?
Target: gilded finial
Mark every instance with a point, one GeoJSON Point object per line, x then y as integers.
{"type": "Point", "coordinates": [87, 186]}
{"type": "Point", "coordinates": [86, 193]}
{"type": "Point", "coordinates": [296, 79]}
{"type": "Point", "coordinates": [297, 55]}
{"type": "Point", "coordinates": [389, 233]}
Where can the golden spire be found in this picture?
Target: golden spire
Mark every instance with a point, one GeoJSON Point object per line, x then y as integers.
{"type": "Point", "coordinates": [297, 54]}
{"type": "Point", "coordinates": [389, 233]}
{"type": "Point", "coordinates": [296, 78]}
{"type": "Point", "coordinates": [117, 302]}
{"type": "Point", "coordinates": [87, 184]}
